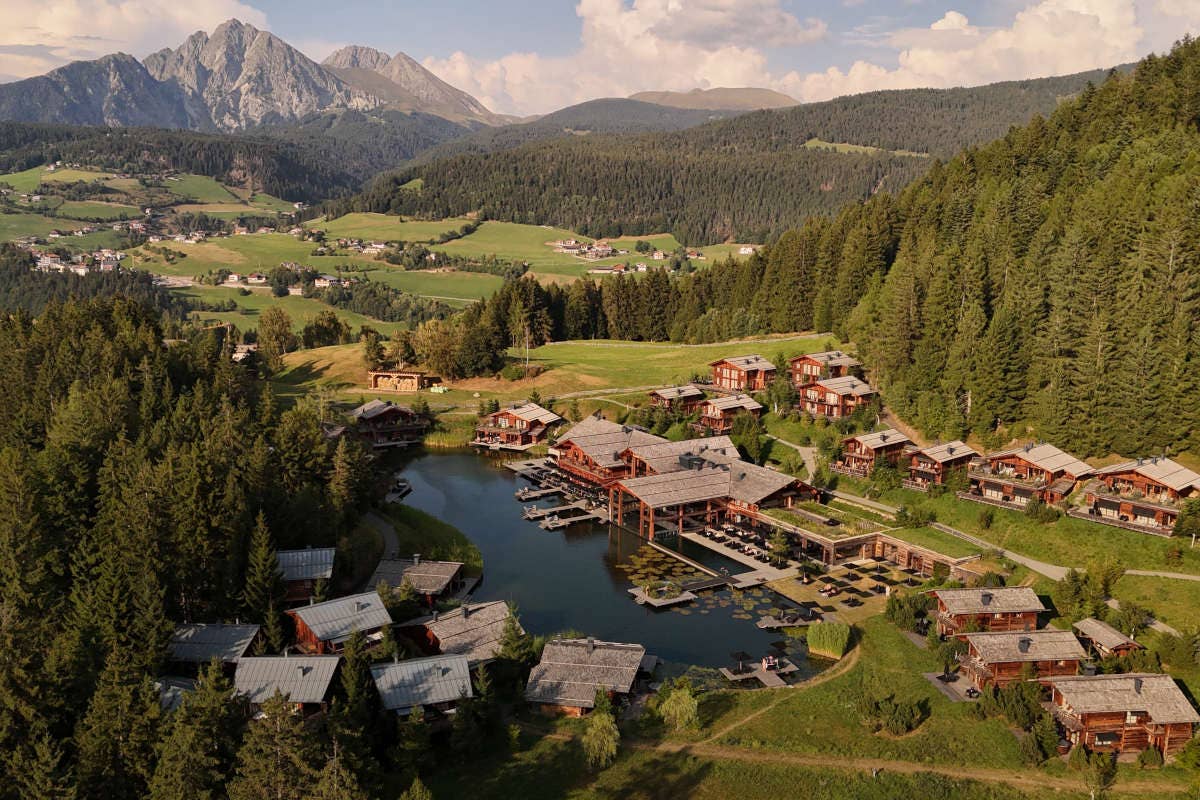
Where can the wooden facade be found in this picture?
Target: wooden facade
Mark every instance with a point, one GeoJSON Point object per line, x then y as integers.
{"type": "Point", "coordinates": [863, 453]}
{"type": "Point", "coordinates": [718, 414]}
{"type": "Point", "coordinates": [1124, 713]}
{"type": "Point", "coordinates": [516, 428]}
{"type": "Point", "coordinates": [931, 466]}
{"type": "Point", "coordinates": [1014, 477]}
{"type": "Point", "coordinates": [385, 424]}
{"type": "Point", "coordinates": [682, 399]}
{"type": "Point", "coordinates": [998, 659]}
{"type": "Point", "coordinates": [987, 609]}
{"type": "Point", "coordinates": [834, 398]}
{"type": "Point", "coordinates": [811, 367]}
{"type": "Point", "coordinates": [742, 373]}
{"type": "Point", "coordinates": [1146, 494]}
{"type": "Point", "coordinates": [404, 381]}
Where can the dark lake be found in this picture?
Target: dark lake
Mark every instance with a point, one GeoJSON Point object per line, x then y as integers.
{"type": "Point", "coordinates": [577, 579]}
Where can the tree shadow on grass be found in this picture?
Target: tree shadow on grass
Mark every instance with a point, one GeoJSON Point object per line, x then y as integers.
{"type": "Point", "coordinates": [653, 776]}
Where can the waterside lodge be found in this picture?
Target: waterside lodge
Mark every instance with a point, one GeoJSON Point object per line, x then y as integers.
{"type": "Point", "coordinates": [1145, 495]}
{"type": "Point", "coordinates": [1013, 608]}
{"type": "Point", "coordinates": [571, 671]}
{"type": "Point", "coordinates": [517, 428]}
{"type": "Point", "coordinates": [432, 580]}
{"type": "Point", "coordinates": [1011, 478]}
{"type": "Point", "coordinates": [385, 424]}
{"type": "Point", "coordinates": [1124, 713]}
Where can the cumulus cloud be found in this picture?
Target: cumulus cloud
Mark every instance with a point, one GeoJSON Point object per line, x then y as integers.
{"type": "Point", "coordinates": [39, 35]}
{"type": "Point", "coordinates": [627, 47]}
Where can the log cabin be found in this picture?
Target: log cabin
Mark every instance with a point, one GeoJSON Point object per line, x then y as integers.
{"type": "Point", "coordinates": [572, 671]}
{"type": "Point", "coordinates": [436, 684]}
{"type": "Point", "coordinates": [1014, 477]}
{"type": "Point", "coordinates": [407, 381]}
{"type": "Point", "coordinates": [431, 580]}
{"type": "Point", "coordinates": [718, 413]}
{"type": "Point", "coordinates": [385, 424]}
{"type": "Point", "coordinates": [834, 398]}
{"type": "Point", "coordinates": [1103, 639]}
{"type": "Point", "coordinates": [325, 627]}
{"type": "Point", "coordinates": [1146, 494]}
{"type": "Point", "coordinates": [931, 466]}
{"type": "Point", "coordinates": [1124, 713]}
{"type": "Point", "coordinates": [472, 630]}
{"type": "Point", "coordinates": [589, 454]}
{"type": "Point", "coordinates": [861, 454]}
{"type": "Point", "coordinates": [998, 658]}
{"type": "Point", "coordinates": [516, 428]}
{"type": "Point", "coordinates": [304, 680]}
{"type": "Point", "coordinates": [682, 399]}
{"type": "Point", "coordinates": [813, 367]}
{"type": "Point", "coordinates": [751, 373]}
{"type": "Point", "coordinates": [301, 569]}
{"type": "Point", "coordinates": [1014, 608]}
{"type": "Point", "coordinates": [197, 644]}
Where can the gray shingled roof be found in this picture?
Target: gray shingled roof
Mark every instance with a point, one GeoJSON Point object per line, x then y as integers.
{"type": "Point", "coordinates": [847, 384]}
{"type": "Point", "coordinates": [878, 439]}
{"type": "Point", "coordinates": [472, 630]}
{"type": "Point", "coordinates": [604, 441]}
{"type": "Point", "coordinates": [678, 392]}
{"type": "Point", "coordinates": [732, 402]}
{"type": "Point", "coordinates": [310, 563]}
{"type": "Point", "coordinates": [427, 577]}
{"type": "Point", "coordinates": [1047, 457]}
{"type": "Point", "coordinates": [374, 408]}
{"type": "Point", "coordinates": [750, 362]}
{"type": "Point", "coordinates": [665, 457]}
{"type": "Point", "coordinates": [982, 600]}
{"type": "Point", "coordinates": [1008, 647]}
{"type": "Point", "coordinates": [532, 412]}
{"type": "Point", "coordinates": [831, 358]}
{"type": "Point", "coordinates": [718, 477]}
{"type": "Point", "coordinates": [941, 453]}
{"type": "Point", "coordinates": [403, 685]}
{"type": "Point", "coordinates": [200, 643]}
{"type": "Point", "coordinates": [1103, 634]}
{"type": "Point", "coordinates": [304, 679]}
{"type": "Point", "coordinates": [172, 690]}
{"type": "Point", "coordinates": [1159, 470]}
{"type": "Point", "coordinates": [1157, 695]}
{"type": "Point", "coordinates": [572, 670]}
{"type": "Point", "coordinates": [335, 620]}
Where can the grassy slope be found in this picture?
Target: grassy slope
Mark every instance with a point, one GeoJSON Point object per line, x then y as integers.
{"type": "Point", "coordinates": [14, 226]}
{"type": "Point", "coordinates": [300, 309]}
{"type": "Point", "coordinates": [385, 227]}
{"type": "Point", "coordinates": [92, 209]}
{"type": "Point", "coordinates": [28, 180]}
{"type": "Point", "coordinates": [200, 189]}
{"type": "Point", "coordinates": [418, 532]}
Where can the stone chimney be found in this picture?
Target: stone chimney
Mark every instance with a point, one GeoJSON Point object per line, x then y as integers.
{"type": "Point", "coordinates": [1024, 644]}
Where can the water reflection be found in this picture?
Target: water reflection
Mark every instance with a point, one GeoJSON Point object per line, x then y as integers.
{"type": "Point", "coordinates": [578, 579]}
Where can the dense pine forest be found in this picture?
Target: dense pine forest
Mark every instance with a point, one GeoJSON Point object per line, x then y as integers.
{"type": "Point", "coordinates": [743, 179]}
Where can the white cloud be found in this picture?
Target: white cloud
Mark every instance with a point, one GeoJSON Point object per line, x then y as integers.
{"type": "Point", "coordinates": [627, 47]}
{"type": "Point", "coordinates": [39, 35]}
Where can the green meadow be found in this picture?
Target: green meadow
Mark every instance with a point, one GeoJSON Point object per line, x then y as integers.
{"type": "Point", "coordinates": [199, 188]}
{"type": "Point", "coordinates": [91, 209]}
{"type": "Point", "coordinates": [30, 179]}
{"type": "Point", "coordinates": [251, 305]}
{"type": "Point", "coordinates": [385, 227]}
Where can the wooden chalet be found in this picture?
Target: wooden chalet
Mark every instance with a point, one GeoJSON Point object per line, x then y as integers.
{"type": "Point", "coordinates": [812, 367]}
{"type": "Point", "coordinates": [301, 569]}
{"type": "Point", "coordinates": [571, 671]}
{"type": "Point", "coordinates": [1014, 477]}
{"type": "Point", "coordinates": [1146, 494]}
{"type": "Point", "coordinates": [861, 454]}
{"type": "Point", "coordinates": [1103, 639]}
{"type": "Point", "coordinates": [1013, 608]}
{"type": "Point", "coordinates": [325, 627]}
{"type": "Point", "coordinates": [407, 381]}
{"type": "Point", "coordinates": [589, 454]}
{"type": "Point", "coordinates": [198, 644]}
{"type": "Point", "coordinates": [517, 428]}
{"type": "Point", "coordinates": [684, 399]}
{"type": "Point", "coordinates": [303, 680]}
{"type": "Point", "coordinates": [1124, 713]}
{"type": "Point", "coordinates": [435, 684]}
{"type": "Point", "coordinates": [751, 373]}
{"type": "Point", "coordinates": [700, 488]}
{"type": "Point", "coordinates": [930, 466]}
{"type": "Point", "coordinates": [997, 658]}
{"type": "Point", "coordinates": [834, 398]}
{"type": "Point", "coordinates": [472, 630]}
{"type": "Point", "coordinates": [432, 580]}
{"type": "Point", "coordinates": [718, 413]}
{"type": "Point", "coordinates": [665, 456]}
{"type": "Point", "coordinates": [385, 424]}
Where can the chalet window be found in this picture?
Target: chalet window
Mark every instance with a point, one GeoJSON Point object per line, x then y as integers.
{"type": "Point", "coordinates": [1130, 718]}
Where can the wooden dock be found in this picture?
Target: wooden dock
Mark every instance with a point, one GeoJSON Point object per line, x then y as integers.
{"type": "Point", "coordinates": [769, 678]}
{"type": "Point", "coordinates": [529, 493]}
{"type": "Point", "coordinates": [533, 512]}
{"type": "Point", "coordinates": [642, 599]}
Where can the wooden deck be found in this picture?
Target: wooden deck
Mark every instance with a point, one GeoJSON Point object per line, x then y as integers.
{"type": "Point", "coordinates": [771, 679]}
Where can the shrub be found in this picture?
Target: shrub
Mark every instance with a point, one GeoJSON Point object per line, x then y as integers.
{"type": "Point", "coordinates": [830, 639]}
{"type": "Point", "coordinates": [987, 516]}
{"type": "Point", "coordinates": [1078, 759]}
{"type": "Point", "coordinates": [1151, 758]}
{"type": "Point", "coordinates": [1039, 512]}
{"type": "Point", "coordinates": [915, 516]}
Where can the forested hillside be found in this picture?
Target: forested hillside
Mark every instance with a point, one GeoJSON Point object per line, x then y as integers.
{"type": "Point", "coordinates": [745, 178]}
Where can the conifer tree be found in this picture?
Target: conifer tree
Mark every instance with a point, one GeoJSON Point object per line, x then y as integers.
{"type": "Point", "coordinates": [264, 590]}
{"type": "Point", "coordinates": [275, 761]}
{"type": "Point", "coordinates": [39, 768]}
{"type": "Point", "coordinates": [195, 756]}
{"type": "Point", "coordinates": [115, 739]}
{"type": "Point", "coordinates": [336, 782]}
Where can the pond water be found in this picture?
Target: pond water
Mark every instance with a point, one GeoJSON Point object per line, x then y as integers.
{"type": "Point", "coordinates": [578, 578]}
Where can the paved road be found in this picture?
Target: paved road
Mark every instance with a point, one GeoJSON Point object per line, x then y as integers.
{"type": "Point", "coordinates": [391, 544]}
{"type": "Point", "coordinates": [809, 454]}
{"type": "Point", "coordinates": [1161, 627]}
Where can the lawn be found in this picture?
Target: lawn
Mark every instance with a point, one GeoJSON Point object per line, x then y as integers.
{"type": "Point", "coordinates": [943, 543]}
{"type": "Point", "coordinates": [418, 532]}
{"type": "Point", "coordinates": [14, 226]}
{"type": "Point", "coordinates": [466, 286]}
{"type": "Point", "coordinates": [1173, 601]}
{"type": "Point", "coordinates": [30, 179]}
{"type": "Point", "coordinates": [199, 188]}
{"type": "Point", "coordinates": [300, 309]}
{"type": "Point", "coordinates": [262, 252]}
{"type": "Point", "coordinates": [509, 241]}
{"type": "Point", "coordinates": [271, 203]}
{"type": "Point", "coordinates": [95, 210]}
{"type": "Point", "coordinates": [385, 227]}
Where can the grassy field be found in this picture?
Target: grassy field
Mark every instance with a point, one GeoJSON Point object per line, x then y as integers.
{"type": "Point", "coordinates": [446, 285]}
{"type": "Point", "coordinates": [261, 252]}
{"type": "Point", "coordinates": [943, 543]}
{"type": "Point", "coordinates": [14, 226]}
{"type": "Point", "coordinates": [271, 203]}
{"type": "Point", "coordinates": [300, 309]}
{"type": "Point", "coordinates": [91, 209]}
{"type": "Point", "coordinates": [30, 179]}
{"type": "Point", "coordinates": [418, 532]}
{"type": "Point", "coordinates": [200, 189]}
{"type": "Point", "coordinates": [1173, 601]}
{"type": "Point", "coordinates": [385, 227]}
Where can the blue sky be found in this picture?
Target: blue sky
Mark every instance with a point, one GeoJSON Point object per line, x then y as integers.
{"type": "Point", "coordinates": [531, 56]}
